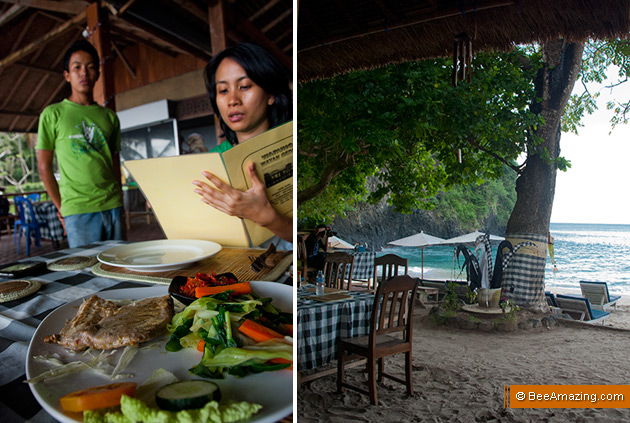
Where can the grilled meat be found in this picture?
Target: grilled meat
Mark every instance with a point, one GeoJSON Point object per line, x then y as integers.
{"type": "Point", "coordinates": [103, 325]}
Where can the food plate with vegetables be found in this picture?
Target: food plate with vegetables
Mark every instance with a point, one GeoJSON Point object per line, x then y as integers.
{"type": "Point", "coordinates": [273, 390]}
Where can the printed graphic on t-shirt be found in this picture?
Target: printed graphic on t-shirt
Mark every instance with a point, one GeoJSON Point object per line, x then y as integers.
{"type": "Point", "coordinates": [90, 138]}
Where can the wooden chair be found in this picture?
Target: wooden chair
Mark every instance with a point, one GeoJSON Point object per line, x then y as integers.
{"type": "Point", "coordinates": [335, 266]}
{"type": "Point", "coordinates": [389, 263]}
{"type": "Point", "coordinates": [303, 258]}
{"type": "Point", "coordinates": [392, 313]}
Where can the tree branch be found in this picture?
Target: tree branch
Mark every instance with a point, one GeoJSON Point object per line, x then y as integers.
{"type": "Point", "coordinates": [474, 143]}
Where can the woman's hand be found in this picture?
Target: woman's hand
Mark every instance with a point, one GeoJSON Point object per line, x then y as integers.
{"type": "Point", "coordinates": [252, 204]}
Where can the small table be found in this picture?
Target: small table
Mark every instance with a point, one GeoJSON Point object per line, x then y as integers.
{"type": "Point", "coordinates": [321, 324]}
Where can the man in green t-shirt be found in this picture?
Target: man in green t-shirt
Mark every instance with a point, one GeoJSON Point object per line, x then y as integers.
{"type": "Point", "coordinates": [85, 138]}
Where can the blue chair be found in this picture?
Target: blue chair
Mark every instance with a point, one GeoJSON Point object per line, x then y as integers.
{"type": "Point", "coordinates": [34, 198]}
{"type": "Point", "coordinates": [21, 223]}
{"type": "Point", "coordinates": [580, 308]}
{"type": "Point", "coordinates": [598, 294]}
{"type": "Point", "coordinates": [551, 299]}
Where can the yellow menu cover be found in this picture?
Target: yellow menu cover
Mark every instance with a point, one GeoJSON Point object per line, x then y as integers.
{"type": "Point", "coordinates": [166, 183]}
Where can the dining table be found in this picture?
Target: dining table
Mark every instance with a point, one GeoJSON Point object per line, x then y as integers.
{"type": "Point", "coordinates": [20, 318]}
{"type": "Point", "coordinates": [321, 322]}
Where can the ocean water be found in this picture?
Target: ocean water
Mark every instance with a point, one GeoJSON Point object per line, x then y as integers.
{"type": "Point", "coordinates": [591, 252]}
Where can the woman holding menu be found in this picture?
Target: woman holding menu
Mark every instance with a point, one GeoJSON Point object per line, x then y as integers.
{"type": "Point", "coordinates": [250, 93]}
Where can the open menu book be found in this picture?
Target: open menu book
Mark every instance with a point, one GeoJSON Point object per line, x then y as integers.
{"type": "Point", "coordinates": [166, 182]}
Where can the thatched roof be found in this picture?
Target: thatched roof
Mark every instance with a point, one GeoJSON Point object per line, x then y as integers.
{"type": "Point", "coordinates": [336, 36]}
{"type": "Point", "coordinates": [40, 31]}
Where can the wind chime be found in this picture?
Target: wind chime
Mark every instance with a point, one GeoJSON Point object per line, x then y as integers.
{"type": "Point", "coordinates": [462, 65]}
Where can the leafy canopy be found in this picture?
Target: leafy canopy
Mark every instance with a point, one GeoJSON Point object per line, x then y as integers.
{"type": "Point", "coordinates": [404, 125]}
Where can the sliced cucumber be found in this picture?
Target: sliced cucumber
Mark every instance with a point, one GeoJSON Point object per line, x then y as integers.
{"type": "Point", "coordinates": [187, 395]}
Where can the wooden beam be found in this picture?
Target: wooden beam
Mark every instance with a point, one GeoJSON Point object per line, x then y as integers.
{"type": "Point", "coordinates": [36, 68]}
{"type": "Point", "coordinates": [28, 101]}
{"type": "Point", "coordinates": [255, 34]}
{"type": "Point", "coordinates": [146, 41]}
{"type": "Point", "coordinates": [11, 13]}
{"type": "Point", "coordinates": [218, 41]}
{"type": "Point", "coordinates": [123, 59]}
{"type": "Point", "coordinates": [98, 22]}
{"type": "Point", "coordinates": [216, 22]}
{"type": "Point", "coordinates": [50, 98]}
{"type": "Point", "coordinates": [287, 13]}
{"type": "Point", "coordinates": [262, 10]}
{"type": "Point", "coordinates": [18, 113]}
{"type": "Point", "coordinates": [72, 7]}
{"type": "Point", "coordinates": [15, 56]}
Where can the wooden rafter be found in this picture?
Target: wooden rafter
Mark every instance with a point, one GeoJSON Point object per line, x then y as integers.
{"type": "Point", "coordinates": [255, 34]}
{"type": "Point", "coordinates": [15, 56]}
{"type": "Point", "coordinates": [280, 18]}
{"type": "Point", "coordinates": [263, 10]}
{"type": "Point", "coordinates": [72, 7]}
{"type": "Point", "coordinates": [124, 60]}
{"type": "Point", "coordinates": [143, 38]}
{"type": "Point", "coordinates": [11, 13]}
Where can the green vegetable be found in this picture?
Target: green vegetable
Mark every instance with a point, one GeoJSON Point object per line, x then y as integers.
{"type": "Point", "coordinates": [211, 365]}
{"type": "Point", "coordinates": [134, 410]}
{"type": "Point", "coordinates": [212, 317]}
{"type": "Point", "coordinates": [180, 331]}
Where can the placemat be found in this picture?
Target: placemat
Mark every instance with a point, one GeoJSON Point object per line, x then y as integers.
{"type": "Point", "coordinates": [326, 289]}
{"type": "Point", "coordinates": [72, 263]}
{"type": "Point", "coordinates": [327, 298]}
{"type": "Point", "coordinates": [229, 259]}
{"type": "Point", "coordinates": [14, 290]}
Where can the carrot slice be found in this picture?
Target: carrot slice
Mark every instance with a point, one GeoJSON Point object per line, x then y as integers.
{"type": "Point", "coordinates": [97, 397]}
{"type": "Point", "coordinates": [201, 345]}
{"type": "Point", "coordinates": [282, 361]}
{"type": "Point", "coordinates": [238, 288]}
{"type": "Point", "coordinates": [258, 332]}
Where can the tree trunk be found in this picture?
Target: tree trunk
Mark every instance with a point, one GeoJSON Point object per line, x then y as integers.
{"type": "Point", "coordinates": [524, 280]}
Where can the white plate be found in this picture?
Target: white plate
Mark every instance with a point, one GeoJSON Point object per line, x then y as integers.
{"type": "Point", "coordinates": [273, 390]}
{"type": "Point", "coordinates": [160, 255]}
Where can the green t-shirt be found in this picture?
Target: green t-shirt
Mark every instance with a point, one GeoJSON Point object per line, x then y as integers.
{"type": "Point", "coordinates": [224, 146]}
{"type": "Point", "coordinates": [83, 139]}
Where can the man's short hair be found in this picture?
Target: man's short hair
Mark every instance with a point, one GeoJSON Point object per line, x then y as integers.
{"type": "Point", "coordinates": [81, 45]}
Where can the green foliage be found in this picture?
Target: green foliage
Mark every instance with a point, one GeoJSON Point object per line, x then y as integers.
{"type": "Point", "coordinates": [17, 162]}
{"type": "Point", "coordinates": [470, 205]}
{"type": "Point", "coordinates": [600, 58]}
{"type": "Point", "coordinates": [404, 124]}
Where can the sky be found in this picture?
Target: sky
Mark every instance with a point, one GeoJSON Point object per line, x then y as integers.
{"type": "Point", "coordinates": [596, 187]}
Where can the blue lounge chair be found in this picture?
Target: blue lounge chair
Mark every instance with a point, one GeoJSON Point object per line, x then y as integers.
{"type": "Point", "coordinates": [597, 293]}
{"type": "Point", "coordinates": [580, 309]}
{"type": "Point", "coordinates": [551, 299]}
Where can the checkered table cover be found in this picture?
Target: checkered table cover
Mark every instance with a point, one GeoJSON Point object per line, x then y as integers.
{"type": "Point", "coordinates": [47, 212]}
{"type": "Point", "coordinates": [19, 319]}
{"type": "Point", "coordinates": [320, 324]}
{"type": "Point", "coordinates": [363, 267]}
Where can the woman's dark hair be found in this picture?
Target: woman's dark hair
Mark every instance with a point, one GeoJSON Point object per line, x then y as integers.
{"type": "Point", "coordinates": [262, 68]}
{"type": "Point", "coordinates": [81, 45]}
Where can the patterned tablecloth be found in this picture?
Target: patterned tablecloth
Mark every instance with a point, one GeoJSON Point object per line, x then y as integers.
{"type": "Point", "coordinates": [320, 324]}
{"type": "Point", "coordinates": [363, 268]}
{"type": "Point", "coordinates": [47, 212]}
{"type": "Point", "coordinates": [20, 318]}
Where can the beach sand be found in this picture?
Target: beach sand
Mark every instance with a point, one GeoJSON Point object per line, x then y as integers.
{"type": "Point", "coordinates": [459, 375]}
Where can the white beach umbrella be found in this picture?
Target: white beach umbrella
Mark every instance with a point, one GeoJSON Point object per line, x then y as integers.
{"type": "Point", "coordinates": [338, 243]}
{"type": "Point", "coordinates": [421, 240]}
{"type": "Point", "coordinates": [469, 238]}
